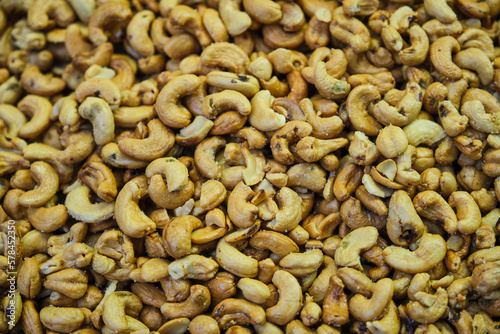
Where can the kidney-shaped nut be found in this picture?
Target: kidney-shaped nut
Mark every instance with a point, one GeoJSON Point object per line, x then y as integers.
{"type": "Point", "coordinates": [429, 313]}
{"type": "Point", "coordinates": [217, 103]}
{"type": "Point", "coordinates": [48, 219]}
{"type": "Point", "coordinates": [177, 235]}
{"type": "Point", "coordinates": [197, 303]}
{"type": "Point", "coordinates": [357, 102]}
{"type": "Point", "coordinates": [167, 107]}
{"type": "Point", "coordinates": [277, 243]}
{"type": "Point", "coordinates": [159, 141]}
{"type": "Point", "coordinates": [302, 264]}
{"type": "Point", "coordinates": [35, 82]}
{"type": "Point", "coordinates": [193, 267]}
{"type": "Point", "coordinates": [431, 251]}
{"type": "Point", "coordinates": [129, 217]}
{"type": "Point", "coordinates": [79, 206]}
{"type": "Point", "coordinates": [178, 189]}
{"type": "Point", "coordinates": [360, 239]}
{"type": "Point", "coordinates": [468, 213]}
{"type": "Point", "coordinates": [39, 109]}
{"type": "Point", "coordinates": [476, 60]}
{"type": "Point", "coordinates": [424, 131]}
{"type": "Point", "coordinates": [440, 54]}
{"type": "Point", "coordinates": [106, 16]}
{"type": "Point", "coordinates": [118, 308]}
{"type": "Point", "coordinates": [263, 117]}
{"type": "Point", "coordinates": [204, 157]}
{"type": "Point", "coordinates": [241, 211]}
{"type": "Point", "coordinates": [405, 112]}
{"type": "Point", "coordinates": [290, 211]}
{"type": "Point", "coordinates": [290, 299]}
{"type": "Point", "coordinates": [138, 33]}
{"type": "Point", "coordinates": [351, 31]}
{"type": "Point", "coordinates": [234, 261]}
{"type": "Point", "coordinates": [48, 184]}
{"type": "Point", "coordinates": [97, 111]}
{"type": "Point", "coordinates": [479, 119]}
{"type": "Point", "coordinates": [365, 309]}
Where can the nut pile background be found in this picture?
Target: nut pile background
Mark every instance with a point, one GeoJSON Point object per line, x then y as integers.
{"type": "Point", "coordinates": [250, 166]}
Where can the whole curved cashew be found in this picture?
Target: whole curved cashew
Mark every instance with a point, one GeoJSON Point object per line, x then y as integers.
{"type": "Point", "coordinates": [389, 323]}
{"type": "Point", "coordinates": [48, 184]}
{"type": "Point", "coordinates": [100, 179]}
{"type": "Point", "coordinates": [118, 308]}
{"type": "Point", "coordinates": [109, 13]}
{"type": "Point", "coordinates": [479, 119]}
{"type": "Point", "coordinates": [137, 33]}
{"type": "Point", "coordinates": [167, 107]}
{"type": "Point", "coordinates": [35, 82]}
{"type": "Point", "coordinates": [277, 243]}
{"type": "Point", "coordinates": [102, 88]}
{"type": "Point", "coordinates": [431, 250]}
{"type": "Point", "coordinates": [39, 108]}
{"type": "Point", "coordinates": [177, 235]}
{"type": "Point", "coordinates": [441, 52]}
{"type": "Point", "coordinates": [235, 20]}
{"type": "Point", "coordinates": [468, 213]}
{"type": "Point", "coordinates": [347, 254]}
{"type": "Point", "coordinates": [197, 303]}
{"type": "Point", "coordinates": [159, 141]}
{"type": "Point", "coordinates": [357, 102]}
{"type": "Point", "coordinates": [232, 260]}
{"type": "Point", "coordinates": [79, 206]}
{"type": "Point", "coordinates": [476, 60]}
{"type": "Point", "coordinates": [431, 313]}
{"type": "Point", "coordinates": [98, 112]}
{"type": "Point", "coordinates": [129, 217]}
{"type": "Point", "coordinates": [217, 103]}
{"type": "Point", "coordinates": [327, 85]}
{"type": "Point", "coordinates": [365, 309]}
{"type": "Point", "coordinates": [263, 117]}
{"type": "Point", "coordinates": [290, 213]}
{"type": "Point", "coordinates": [406, 110]}
{"type": "Point", "coordinates": [240, 209]}
{"type": "Point", "coordinates": [290, 299]}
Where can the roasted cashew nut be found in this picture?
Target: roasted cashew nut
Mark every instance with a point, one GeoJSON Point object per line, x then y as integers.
{"type": "Point", "coordinates": [365, 309]}
{"type": "Point", "coordinates": [118, 308]}
{"type": "Point", "coordinates": [129, 217]}
{"type": "Point", "coordinates": [431, 250]}
{"type": "Point", "coordinates": [48, 184]}
{"type": "Point", "coordinates": [232, 260]}
{"type": "Point", "coordinates": [357, 102]}
{"type": "Point", "coordinates": [347, 254]}
{"type": "Point", "coordinates": [197, 303]}
{"type": "Point", "coordinates": [79, 206]}
{"type": "Point", "coordinates": [290, 299]}
{"type": "Point", "coordinates": [98, 112]}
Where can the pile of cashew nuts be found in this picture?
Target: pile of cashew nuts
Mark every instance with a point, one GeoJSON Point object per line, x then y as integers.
{"type": "Point", "coordinates": [249, 166]}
